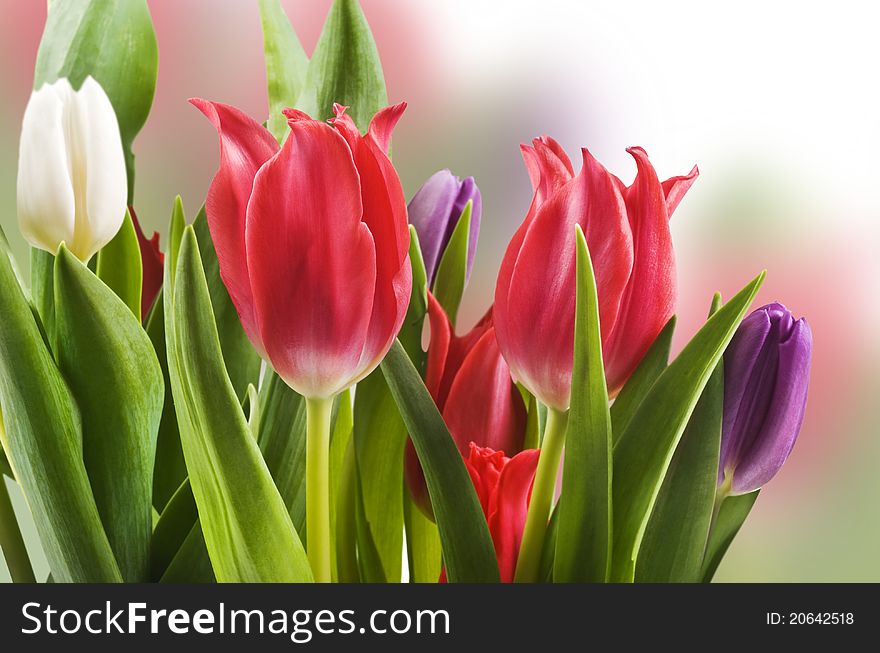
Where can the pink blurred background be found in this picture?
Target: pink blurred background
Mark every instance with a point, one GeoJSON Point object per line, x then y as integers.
{"type": "Point", "coordinates": [773, 103]}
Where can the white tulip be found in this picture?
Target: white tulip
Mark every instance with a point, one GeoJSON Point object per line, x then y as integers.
{"type": "Point", "coordinates": [72, 185]}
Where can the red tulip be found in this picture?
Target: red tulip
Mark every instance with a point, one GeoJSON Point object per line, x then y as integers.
{"type": "Point", "coordinates": [312, 241]}
{"type": "Point", "coordinates": [471, 385]}
{"type": "Point", "coordinates": [628, 235]}
{"type": "Point", "coordinates": [152, 264]}
{"type": "Point", "coordinates": [503, 487]}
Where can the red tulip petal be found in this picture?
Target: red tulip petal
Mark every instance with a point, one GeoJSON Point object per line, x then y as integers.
{"type": "Point", "coordinates": [507, 516]}
{"type": "Point", "coordinates": [384, 212]}
{"type": "Point", "coordinates": [483, 405]}
{"type": "Point", "coordinates": [152, 264]}
{"type": "Point", "coordinates": [244, 146]}
{"type": "Point", "coordinates": [537, 336]}
{"type": "Point", "coordinates": [438, 350]}
{"type": "Point", "coordinates": [312, 262]}
{"type": "Point", "coordinates": [484, 466]}
{"type": "Point", "coordinates": [675, 188]}
{"type": "Point", "coordinates": [649, 300]}
{"type": "Point", "coordinates": [549, 167]}
{"type": "Point", "coordinates": [383, 123]}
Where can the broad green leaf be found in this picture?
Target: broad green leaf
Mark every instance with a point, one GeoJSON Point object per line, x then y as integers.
{"type": "Point", "coordinates": [119, 266]}
{"type": "Point", "coordinates": [468, 552]}
{"type": "Point", "coordinates": [114, 42]}
{"type": "Point", "coordinates": [583, 543]}
{"type": "Point", "coordinates": [641, 380]}
{"type": "Point", "coordinates": [42, 294]}
{"type": "Point", "coordinates": [111, 368]}
{"type": "Point", "coordinates": [282, 439]}
{"type": "Point", "coordinates": [548, 552]}
{"type": "Point", "coordinates": [452, 270]}
{"type": "Point", "coordinates": [340, 439]}
{"type": "Point", "coordinates": [733, 512]}
{"type": "Point", "coordinates": [12, 545]}
{"type": "Point", "coordinates": [43, 442]}
{"type": "Point", "coordinates": [286, 65]}
{"type": "Point", "coordinates": [410, 335]}
{"type": "Point", "coordinates": [172, 529]}
{"type": "Point", "coordinates": [346, 567]}
{"type": "Point", "coordinates": [4, 465]}
{"type": "Point", "coordinates": [170, 468]}
{"type": "Point", "coordinates": [675, 537]}
{"type": "Point", "coordinates": [242, 360]}
{"type": "Point", "coordinates": [247, 529]}
{"type": "Point", "coordinates": [379, 442]}
{"type": "Point", "coordinates": [643, 454]}
{"type": "Point", "coordinates": [191, 563]}
{"type": "Point", "coordinates": [345, 68]}
{"type": "Point", "coordinates": [423, 551]}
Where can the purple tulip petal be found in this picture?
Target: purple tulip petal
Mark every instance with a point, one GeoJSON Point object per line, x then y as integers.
{"type": "Point", "coordinates": [468, 193]}
{"type": "Point", "coordinates": [430, 212]}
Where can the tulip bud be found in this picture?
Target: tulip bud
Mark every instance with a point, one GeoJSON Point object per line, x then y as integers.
{"type": "Point", "coordinates": [435, 210]}
{"type": "Point", "coordinates": [503, 486]}
{"type": "Point", "coordinates": [72, 184]}
{"type": "Point", "coordinates": [471, 385]}
{"type": "Point", "coordinates": [631, 248]}
{"type": "Point", "coordinates": [766, 374]}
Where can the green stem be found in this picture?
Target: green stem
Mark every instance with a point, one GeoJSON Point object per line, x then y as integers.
{"type": "Point", "coordinates": [318, 487]}
{"type": "Point", "coordinates": [11, 541]}
{"type": "Point", "coordinates": [529, 561]}
{"type": "Point", "coordinates": [721, 494]}
{"type": "Point", "coordinates": [346, 552]}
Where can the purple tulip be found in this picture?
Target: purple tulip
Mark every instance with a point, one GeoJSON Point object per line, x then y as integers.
{"type": "Point", "coordinates": [766, 374]}
{"type": "Point", "coordinates": [435, 211]}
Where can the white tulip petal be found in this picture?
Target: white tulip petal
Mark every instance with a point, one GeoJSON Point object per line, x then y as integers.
{"type": "Point", "coordinates": [46, 204]}
{"type": "Point", "coordinates": [99, 179]}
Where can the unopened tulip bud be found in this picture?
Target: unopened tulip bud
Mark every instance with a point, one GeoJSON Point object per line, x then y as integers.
{"type": "Point", "coordinates": [435, 210]}
{"type": "Point", "coordinates": [766, 374]}
{"type": "Point", "coordinates": [72, 184]}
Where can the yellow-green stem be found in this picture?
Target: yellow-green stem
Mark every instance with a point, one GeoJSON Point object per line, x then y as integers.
{"type": "Point", "coordinates": [14, 551]}
{"type": "Point", "coordinates": [318, 487]}
{"type": "Point", "coordinates": [529, 561]}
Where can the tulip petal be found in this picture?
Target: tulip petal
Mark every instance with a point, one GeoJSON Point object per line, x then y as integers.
{"type": "Point", "coordinates": [509, 507]}
{"type": "Point", "coordinates": [469, 192]}
{"type": "Point", "coordinates": [97, 169]}
{"type": "Point", "coordinates": [152, 262]}
{"type": "Point", "coordinates": [764, 456]}
{"type": "Point", "coordinates": [244, 147]}
{"type": "Point", "coordinates": [383, 123]}
{"type": "Point", "coordinates": [46, 205]}
{"type": "Point", "coordinates": [649, 300]}
{"type": "Point", "coordinates": [484, 405]}
{"type": "Point", "coordinates": [548, 165]}
{"type": "Point", "coordinates": [438, 352]}
{"type": "Point", "coordinates": [675, 188]}
{"type": "Point", "coordinates": [311, 261]}
{"type": "Point", "coordinates": [535, 303]}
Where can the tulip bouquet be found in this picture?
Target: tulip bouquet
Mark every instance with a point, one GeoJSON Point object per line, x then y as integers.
{"type": "Point", "coordinates": [282, 395]}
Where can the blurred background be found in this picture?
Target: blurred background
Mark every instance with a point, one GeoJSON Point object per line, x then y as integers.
{"type": "Point", "coordinates": [776, 102]}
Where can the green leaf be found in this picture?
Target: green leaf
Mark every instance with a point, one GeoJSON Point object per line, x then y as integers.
{"type": "Point", "coordinates": [340, 439]}
{"type": "Point", "coordinates": [172, 529]}
{"type": "Point", "coordinates": [242, 360]}
{"type": "Point", "coordinates": [170, 468]}
{"type": "Point", "coordinates": [43, 442]}
{"type": "Point", "coordinates": [643, 454]}
{"type": "Point", "coordinates": [247, 529]}
{"type": "Point", "coordinates": [410, 335]}
{"type": "Point", "coordinates": [733, 512]}
{"type": "Point", "coordinates": [119, 266]}
{"type": "Point", "coordinates": [452, 271]}
{"type": "Point", "coordinates": [468, 552]}
{"type": "Point", "coordinates": [379, 442]}
{"type": "Point", "coordinates": [346, 559]}
{"type": "Point", "coordinates": [548, 552]}
{"type": "Point", "coordinates": [641, 380]}
{"type": "Point", "coordinates": [423, 551]}
{"type": "Point", "coordinates": [111, 368]}
{"type": "Point", "coordinates": [345, 68]}
{"type": "Point", "coordinates": [583, 544]}
{"type": "Point", "coordinates": [42, 294]}
{"type": "Point", "coordinates": [675, 537]}
{"type": "Point", "coordinates": [191, 563]}
{"type": "Point", "coordinates": [114, 42]}
{"type": "Point", "coordinates": [282, 439]}
{"type": "Point", "coordinates": [286, 65]}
